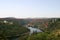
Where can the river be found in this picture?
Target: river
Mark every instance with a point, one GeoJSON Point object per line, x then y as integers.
{"type": "Point", "coordinates": [32, 30]}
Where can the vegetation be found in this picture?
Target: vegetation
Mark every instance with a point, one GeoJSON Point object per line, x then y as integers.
{"type": "Point", "coordinates": [14, 28]}
{"type": "Point", "coordinates": [10, 30]}
{"type": "Point", "coordinates": [52, 32]}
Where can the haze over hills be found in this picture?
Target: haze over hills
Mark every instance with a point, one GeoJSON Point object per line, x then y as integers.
{"type": "Point", "coordinates": [11, 27]}
{"type": "Point", "coordinates": [30, 21]}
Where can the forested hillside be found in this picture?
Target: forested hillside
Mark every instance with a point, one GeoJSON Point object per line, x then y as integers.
{"type": "Point", "coordinates": [52, 32]}
{"type": "Point", "coordinates": [11, 28]}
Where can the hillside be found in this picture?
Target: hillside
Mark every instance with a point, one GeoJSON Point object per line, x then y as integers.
{"type": "Point", "coordinates": [15, 28]}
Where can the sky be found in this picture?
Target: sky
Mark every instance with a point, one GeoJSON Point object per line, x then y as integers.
{"type": "Point", "coordinates": [29, 8]}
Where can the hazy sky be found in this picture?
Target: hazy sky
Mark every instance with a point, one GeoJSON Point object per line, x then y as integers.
{"type": "Point", "coordinates": [29, 8]}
